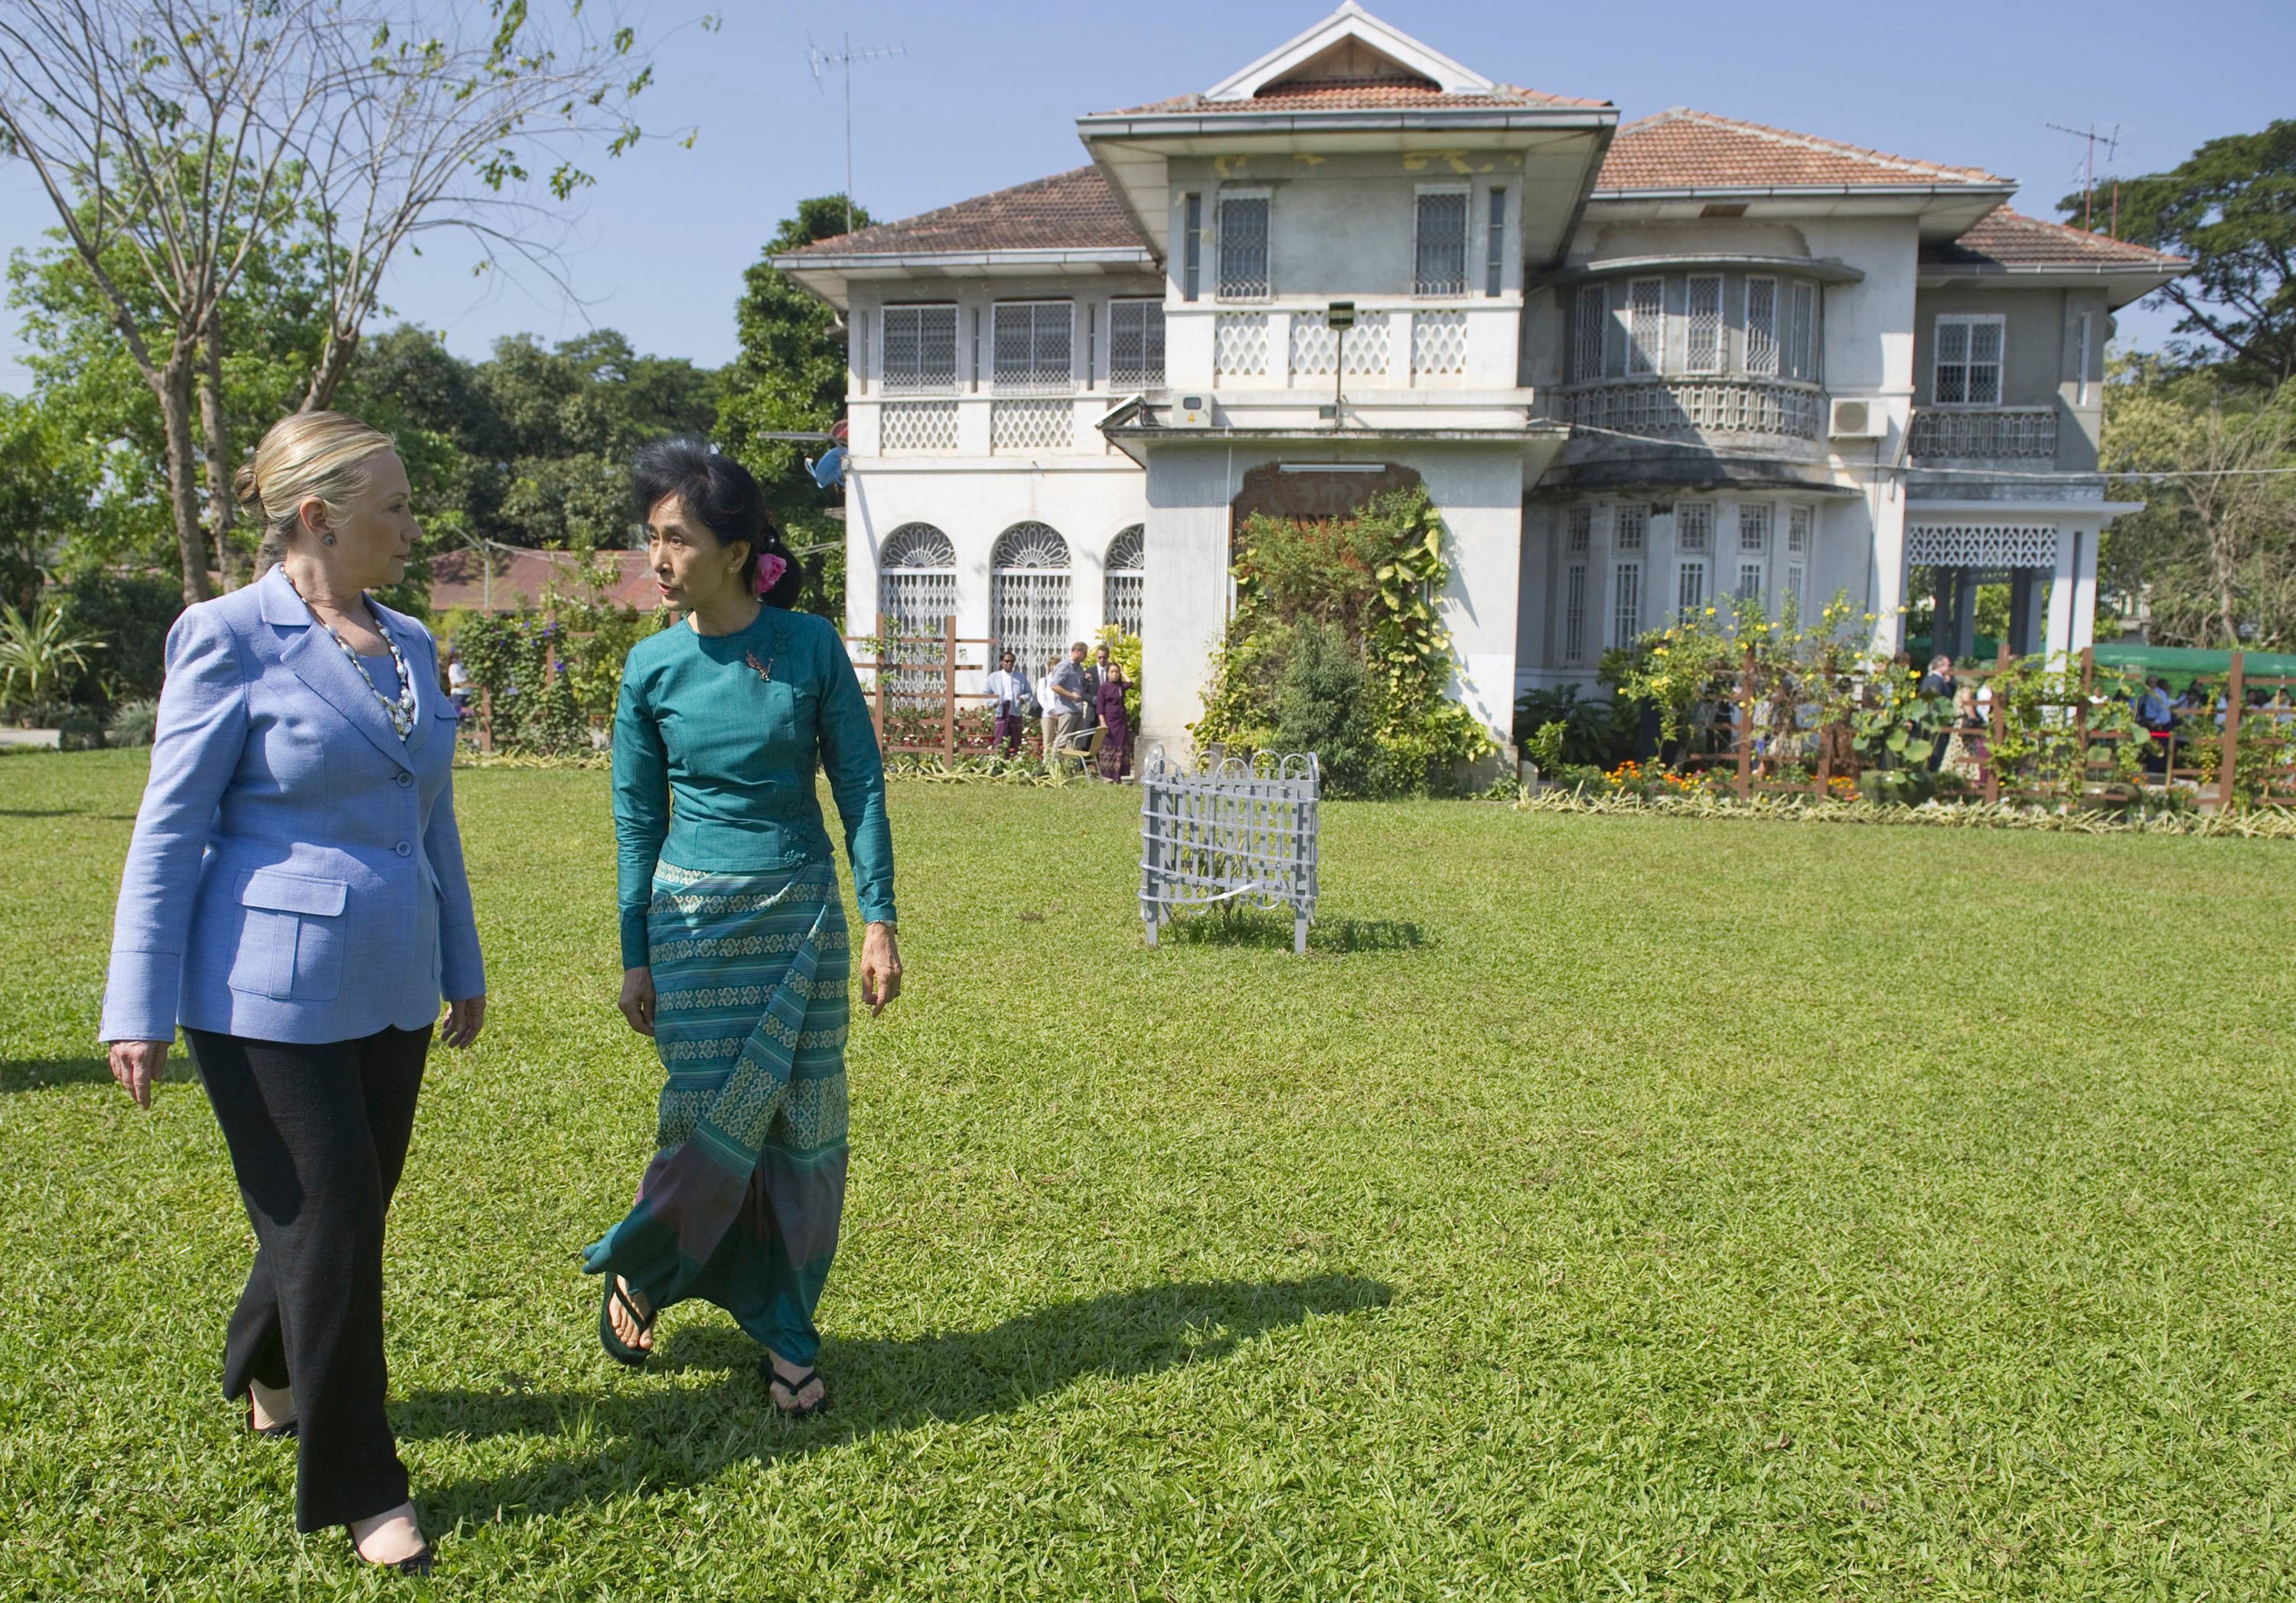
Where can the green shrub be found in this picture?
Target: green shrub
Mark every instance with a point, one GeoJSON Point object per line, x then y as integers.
{"type": "Point", "coordinates": [132, 723]}
{"type": "Point", "coordinates": [131, 613]}
{"type": "Point", "coordinates": [1362, 588]}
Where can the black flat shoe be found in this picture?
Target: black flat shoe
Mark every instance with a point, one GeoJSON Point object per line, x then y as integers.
{"type": "Point", "coordinates": [774, 1378]}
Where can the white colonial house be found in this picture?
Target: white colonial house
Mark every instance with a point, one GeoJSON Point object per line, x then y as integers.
{"type": "Point", "coordinates": [1636, 367]}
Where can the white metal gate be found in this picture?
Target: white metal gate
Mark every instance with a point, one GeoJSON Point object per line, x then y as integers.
{"type": "Point", "coordinates": [1029, 595]}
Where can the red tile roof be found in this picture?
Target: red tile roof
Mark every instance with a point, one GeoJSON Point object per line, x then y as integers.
{"type": "Point", "coordinates": [1357, 95]}
{"type": "Point", "coordinates": [520, 576]}
{"type": "Point", "coordinates": [1683, 149]}
{"type": "Point", "coordinates": [1074, 210]}
{"type": "Point", "coordinates": [2008, 239]}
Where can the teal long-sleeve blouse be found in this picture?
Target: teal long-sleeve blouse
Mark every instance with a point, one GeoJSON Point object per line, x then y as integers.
{"type": "Point", "coordinates": [716, 743]}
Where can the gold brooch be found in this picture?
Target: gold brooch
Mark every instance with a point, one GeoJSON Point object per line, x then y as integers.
{"type": "Point", "coordinates": [765, 669]}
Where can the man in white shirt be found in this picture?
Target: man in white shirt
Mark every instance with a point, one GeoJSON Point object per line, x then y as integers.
{"type": "Point", "coordinates": [1008, 694]}
{"type": "Point", "coordinates": [1064, 706]}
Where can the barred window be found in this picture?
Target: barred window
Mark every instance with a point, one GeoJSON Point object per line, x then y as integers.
{"type": "Point", "coordinates": [1626, 605]}
{"type": "Point", "coordinates": [1135, 344]}
{"type": "Point", "coordinates": [1495, 247]}
{"type": "Point", "coordinates": [1124, 581]}
{"type": "Point", "coordinates": [1244, 247]}
{"type": "Point", "coordinates": [1693, 525]}
{"type": "Point", "coordinates": [1968, 372]}
{"type": "Point", "coordinates": [1191, 252]}
{"type": "Point", "coordinates": [1761, 325]}
{"type": "Point", "coordinates": [1590, 312]}
{"type": "Point", "coordinates": [1754, 526]}
{"type": "Point", "coordinates": [1797, 530]}
{"type": "Point", "coordinates": [1029, 595]}
{"type": "Point", "coordinates": [1749, 581]}
{"type": "Point", "coordinates": [919, 349]}
{"type": "Point", "coordinates": [1801, 335]}
{"type": "Point", "coordinates": [917, 580]}
{"type": "Point", "coordinates": [1702, 328]}
{"type": "Point", "coordinates": [1440, 264]}
{"type": "Point", "coordinates": [1690, 587]}
{"type": "Point", "coordinates": [1645, 324]}
{"type": "Point", "coordinates": [1032, 340]}
{"type": "Point", "coordinates": [1581, 528]}
{"type": "Point", "coordinates": [1574, 613]}
{"type": "Point", "coordinates": [1629, 527]}
{"type": "Point", "coordinates": [1793, 587]}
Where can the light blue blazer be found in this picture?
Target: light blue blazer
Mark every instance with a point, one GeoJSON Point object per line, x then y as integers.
{"type": "Point", "coordinates": [295, 874]}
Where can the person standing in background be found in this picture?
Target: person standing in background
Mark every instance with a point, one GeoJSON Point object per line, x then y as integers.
{"type": "Point", "coordinates": [1008, 699]}
{"type": "Point", "coordinates": [1116, 721]}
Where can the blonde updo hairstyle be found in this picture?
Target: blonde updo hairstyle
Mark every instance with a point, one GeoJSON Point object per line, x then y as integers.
{"type": "Point", "coordinates": [304, 455]}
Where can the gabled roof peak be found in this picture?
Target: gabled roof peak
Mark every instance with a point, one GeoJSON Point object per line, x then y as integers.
{"type": "Point", "coordinates": [1350, 48]}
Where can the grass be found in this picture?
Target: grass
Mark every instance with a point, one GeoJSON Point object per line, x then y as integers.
{"type": "Point", "coordinates": [1603, 1208]}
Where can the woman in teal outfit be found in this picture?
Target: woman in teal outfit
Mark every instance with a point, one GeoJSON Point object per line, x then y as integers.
{"type": "Point", "coordinates": [735, 951]}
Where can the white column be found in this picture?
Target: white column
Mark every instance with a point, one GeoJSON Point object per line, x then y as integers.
{"type": "Point", "coordinates": [1185, 592]}
{"type": "Point", "coordinates": [2063, 606]}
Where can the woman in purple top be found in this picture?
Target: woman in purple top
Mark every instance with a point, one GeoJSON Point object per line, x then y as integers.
{"type": "Point", "coordinates": [1116, 738]}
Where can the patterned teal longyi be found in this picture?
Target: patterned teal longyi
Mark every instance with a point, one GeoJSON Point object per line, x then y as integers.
{"type": "Point", "coordinates": [741, 1201]}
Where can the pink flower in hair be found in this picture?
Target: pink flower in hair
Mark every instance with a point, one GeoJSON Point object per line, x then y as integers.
{"type": "Point", "coordinates": [770, 569]}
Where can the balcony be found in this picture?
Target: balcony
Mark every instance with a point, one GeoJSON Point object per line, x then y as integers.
{"type": "Point", "coordinates": [2002, 434]}
{"type": "Point", "coordinates": [1692, 408]}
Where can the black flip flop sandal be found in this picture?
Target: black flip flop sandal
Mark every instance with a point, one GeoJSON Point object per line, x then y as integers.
{"type": "Point", "coordinates": [774, 1378]}
{"type": "Point", "coordinates": [616, 1349]}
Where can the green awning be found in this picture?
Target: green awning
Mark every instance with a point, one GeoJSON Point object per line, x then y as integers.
{"type": "Point", "coordinates": [2181, 665]}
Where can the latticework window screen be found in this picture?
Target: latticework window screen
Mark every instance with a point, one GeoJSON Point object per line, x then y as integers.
{"type": "Point", "coordinates": [1762, 325]}
{"type": "Point", "coordinates": [1590, 313]}
{"type": "Point", "coordinates": [1440, 264]}
{"type": "Point", "coordinates": [919, 349]}
{"type": "Point", "coordinates": [1124, 581]}
{"type": "Point", "coordinates": [1968, 370]}
{"type": "Point", "coordinates": [1029, 595]}
{"type": "Point", "coordinates": [1702, 351]}
{"type": "Point", "coordinates": [1630, 526]}
{"type": "Point", "coordinates": [917, 426]}
{"type": "Point", "coordinates": [1754, 526]}
{"type": "Point", "coordinates": [1574, 612]}
{"type": "Point", "coordinates": [1135, 344]}
{"type": "Point", "coordinates": [1439, 342]}
{"type": "Point", "coordinates": [1645, 324]}
{"type": "Point", "coordinates": [1039, 424]}
{"type": "Point", "coordinates": [1626, 605]}
{"type": "Point", "coordinates": [1316, 345]}
{"type": "Point", "coordinates": [1693, 525]}
{"type": "Point", "coordinates": [1033, 341]}
{"type": "Point", "coordinates": [1244, 247]}
{"type": "Point", "coordinates": [1240, 343]}
{"type": "Point", "coordinates": [916, 582]}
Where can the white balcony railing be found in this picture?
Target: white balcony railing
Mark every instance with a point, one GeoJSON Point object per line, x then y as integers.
{"type": "Point", "coordinates": [2008, 433]}
{"type": "Point", "coordinates": [1692, 407]}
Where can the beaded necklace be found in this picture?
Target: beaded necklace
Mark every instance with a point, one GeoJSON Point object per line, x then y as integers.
{"type": "Point", "coordinates": [401, 713]}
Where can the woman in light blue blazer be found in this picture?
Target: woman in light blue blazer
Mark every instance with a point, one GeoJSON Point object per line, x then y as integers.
{"type": "Point", "coordinates": [295, 898]}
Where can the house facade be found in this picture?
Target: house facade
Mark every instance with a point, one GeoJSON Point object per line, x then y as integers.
{"type": "Point", "coordinates": [1636, 368]}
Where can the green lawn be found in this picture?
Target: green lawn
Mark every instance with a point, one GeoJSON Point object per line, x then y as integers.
{"type": "Point", "coordinates": [1603, 1208]}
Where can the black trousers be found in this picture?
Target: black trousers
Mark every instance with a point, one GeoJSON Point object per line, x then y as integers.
{"type": "Point", "coordinates": [318, 1136]}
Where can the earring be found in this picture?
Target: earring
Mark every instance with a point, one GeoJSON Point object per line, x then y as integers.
{"type": "Point", "coordinates": [326, 540]}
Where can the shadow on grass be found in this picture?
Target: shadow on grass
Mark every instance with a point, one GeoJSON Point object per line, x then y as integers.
{"type": "Point", "coordinates": [658, 1438]}
{"type": "Point", "coordinates": [40, 1073]}
{"type": "Point", "coordinates": [1273, 931]}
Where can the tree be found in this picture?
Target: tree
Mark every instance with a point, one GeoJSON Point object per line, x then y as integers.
{"type": "Point", "coordinates": [789, 378]}
{"type": "Point", "coordinates": [2232, 209]}
{"type": "Point", "coordinates": [44, 486]}
{"type": "Point", "coordinates": [536, 441]}
{"type": "Point", "coordinates": [177, 142]}
{"type": "Point", "coordinates": [2214, 551]}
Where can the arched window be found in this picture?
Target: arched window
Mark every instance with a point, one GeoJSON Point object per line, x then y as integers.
{"type": "Point", "coordinates": [917, 580]}
{"type": "Point", "coordinates": [1029, 595]}
{"type": "Point", "coordinates": [1122, 598]}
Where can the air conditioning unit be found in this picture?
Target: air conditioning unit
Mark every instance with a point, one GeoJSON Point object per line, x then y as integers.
{"type": "Point", "coordinates": [1857, 420]}
{"type": "Point", "coordinates": [1189, 412]}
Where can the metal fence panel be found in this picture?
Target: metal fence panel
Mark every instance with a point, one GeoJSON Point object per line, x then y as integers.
{"type": "Point", "coordinates": [1229, 830]}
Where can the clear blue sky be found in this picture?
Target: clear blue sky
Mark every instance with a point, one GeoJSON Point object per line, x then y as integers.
{"type": "Point", "coordinates": [987, 92]}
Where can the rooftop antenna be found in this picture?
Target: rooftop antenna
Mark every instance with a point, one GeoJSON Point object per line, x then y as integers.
{"type": "Point", "coordinates": [843, 58]}
{"type": "Point", "coordinates": [2112, 143]}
